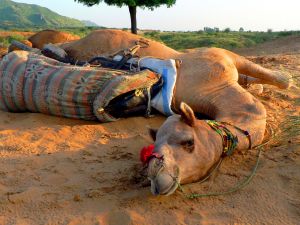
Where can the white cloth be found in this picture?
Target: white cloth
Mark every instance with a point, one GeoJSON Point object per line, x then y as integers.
{"type": "Point", "coordinates": [167, 69]}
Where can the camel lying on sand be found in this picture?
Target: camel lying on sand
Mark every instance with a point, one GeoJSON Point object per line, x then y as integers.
{"type": "Point", "coordinates": [186, 148]}
{"type": "Point", "coordinates": [208, 84]}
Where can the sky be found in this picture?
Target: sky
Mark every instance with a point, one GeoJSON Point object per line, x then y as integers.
{"type": "Point", "coordinates": [188, 15]}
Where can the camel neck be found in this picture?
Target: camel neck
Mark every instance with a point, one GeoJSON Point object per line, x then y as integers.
{"type": "Point", "coordinates": [229, 140]}
{"type": "Point", "coordinates": [212, 138]}
{"type": "Point", "coordinates": [224, 138]}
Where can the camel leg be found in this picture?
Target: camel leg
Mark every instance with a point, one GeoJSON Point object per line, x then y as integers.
{"type": "Point", "coordinates": [245, 80]}
{"type": "Point", "coordinates": [253, 85]}
{"type": "Point", "coordinates": [265, 76]}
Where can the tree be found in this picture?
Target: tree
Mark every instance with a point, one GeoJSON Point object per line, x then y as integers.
{"type": "Point", "coordinates": [227, 30]}
{"type": "Point", "coordinates": [241, 29]}
{"type": "Point", "coordinates": [132, 5]}
{"type": "Point", "coordinates": [209, 30]}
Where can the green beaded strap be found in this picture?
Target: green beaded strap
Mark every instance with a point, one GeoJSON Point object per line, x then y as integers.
{"type": "Point", "coordinates": [246, 133]}
{"type": "Point", "coordinates": [228, 139]}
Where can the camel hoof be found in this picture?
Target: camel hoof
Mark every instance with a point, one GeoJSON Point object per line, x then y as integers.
{"type": "Point", "coordinates": [283, 81]}
{"type": "Point", "coordinates": [256, 89]}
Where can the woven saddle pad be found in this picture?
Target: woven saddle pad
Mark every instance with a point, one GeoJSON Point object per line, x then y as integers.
{"type": "Point", "coordinates": [35, 83]}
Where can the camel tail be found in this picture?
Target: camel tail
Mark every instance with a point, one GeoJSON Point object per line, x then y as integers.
{"type": "Point", "coordinates": [246, 67]}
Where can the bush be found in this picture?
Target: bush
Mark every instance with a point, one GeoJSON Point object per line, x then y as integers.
{"type": "Point", "coordinates": [227, 30]}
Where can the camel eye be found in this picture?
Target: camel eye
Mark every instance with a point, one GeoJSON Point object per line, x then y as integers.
{"type": "Point", "coordinates": [188, 145]}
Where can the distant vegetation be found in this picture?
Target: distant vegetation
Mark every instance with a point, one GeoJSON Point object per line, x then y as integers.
{"type": "Point", "coordinates": [225, 39]}
{"type": "Point", "coordinates": [181, 40]}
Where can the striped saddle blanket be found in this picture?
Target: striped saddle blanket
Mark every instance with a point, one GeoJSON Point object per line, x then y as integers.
{"type": "Point", "coordinates": [35, 83]}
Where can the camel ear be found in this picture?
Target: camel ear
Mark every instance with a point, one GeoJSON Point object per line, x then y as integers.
{"type": "Point", "coordinates": [152, 133]}
{"type": "Point", "coordinates": [187, 114]}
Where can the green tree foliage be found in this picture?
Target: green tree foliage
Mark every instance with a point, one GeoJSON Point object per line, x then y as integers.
{"type": "Point", "coordinates": [209, 29]}
{"type": "Point", "coordinates": [217, 29]}
{"type": "Point", "coordinates": [227, 30]}
{"type": "Point", "coordinates": [132, 5]}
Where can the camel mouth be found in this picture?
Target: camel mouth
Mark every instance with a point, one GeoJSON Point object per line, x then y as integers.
{"type": "Point", "coordinates": [162, 181]}
{"type": "Point", "coordinates": [162, 186]}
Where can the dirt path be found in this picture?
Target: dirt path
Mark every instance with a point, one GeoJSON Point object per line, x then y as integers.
{"type": "Point", "coordinates": [61, 171]}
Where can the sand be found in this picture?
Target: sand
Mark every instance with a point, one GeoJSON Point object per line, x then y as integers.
{"type": "Point", "coordinates": [61, 171]}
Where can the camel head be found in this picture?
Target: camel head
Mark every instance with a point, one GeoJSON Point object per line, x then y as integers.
{"type": "Point", "coordinates": [183, 152]}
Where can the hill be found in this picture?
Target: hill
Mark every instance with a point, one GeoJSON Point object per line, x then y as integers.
{"type": "Point", "coordinates": [89, 23]}
{"type": "Point", "coordinates": [21, 15]}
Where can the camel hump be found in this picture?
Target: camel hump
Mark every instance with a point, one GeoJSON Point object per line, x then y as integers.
{"type": "Point", "coordinates": [107, 42]}
{"type": "Point", "coordinates": [43, 37]}
{"type": "Point", "coordinates": [246, 67]}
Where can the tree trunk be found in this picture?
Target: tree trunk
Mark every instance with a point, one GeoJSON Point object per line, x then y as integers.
{"type": "Point", "coordinates": [132, 11]}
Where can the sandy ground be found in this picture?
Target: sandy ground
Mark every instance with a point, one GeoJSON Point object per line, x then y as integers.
{"type": "Point", "coordinates": [61, 171]}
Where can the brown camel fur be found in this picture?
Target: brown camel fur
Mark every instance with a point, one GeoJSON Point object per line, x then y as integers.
{"type": "Point", "coordinates": [41, 38]}
{"type": "Point", "coordinates": [107, 42]}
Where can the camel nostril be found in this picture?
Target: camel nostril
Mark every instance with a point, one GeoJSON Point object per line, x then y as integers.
{"type": "Point", "coordinates": [154, 188]}
{"type": "Point", "coordinates": [163, 184]}
{"type": "Point", "coordinates": [155, 166]}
